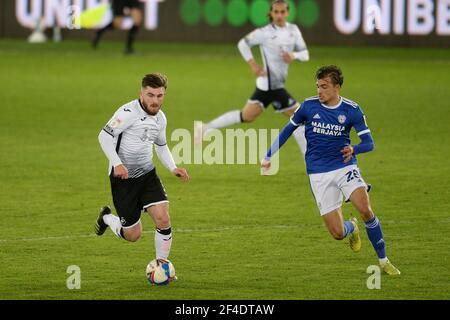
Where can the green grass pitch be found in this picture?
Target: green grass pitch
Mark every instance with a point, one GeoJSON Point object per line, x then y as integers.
{"type": "Point", "coordinates": [237, 235]}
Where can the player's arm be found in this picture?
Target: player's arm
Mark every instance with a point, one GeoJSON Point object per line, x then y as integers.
{"type": "Point", "coordinates": [245, 48]}
{"type": "Point", "coordinates": [294, 122]}
{"type": "Point", "coordinates": [366, 144]}
{"type": "Point", "coordinates": [165, 156]}
{"type": "Point", "coordinates": [300, 52]}
{"type": "Point", "coordinates": [115, 126]}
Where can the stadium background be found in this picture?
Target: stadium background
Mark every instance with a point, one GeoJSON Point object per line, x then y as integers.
{"type": "Point", "coordinates": [237, 235]}
{"type": "Point", "coordinates": [405, 23]}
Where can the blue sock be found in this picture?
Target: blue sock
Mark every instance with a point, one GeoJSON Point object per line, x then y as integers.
{"type": "Point", "coordinates": [348, 228]}
{"type": "Point", "coordinates": [375, 234]}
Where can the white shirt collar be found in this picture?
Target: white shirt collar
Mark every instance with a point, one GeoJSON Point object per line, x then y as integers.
{"type": "Point", "coordinates": [333, 107]}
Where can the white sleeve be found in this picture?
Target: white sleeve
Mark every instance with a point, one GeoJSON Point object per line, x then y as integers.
{"type": "Point", "coordinates": [252, 39]}
{"type": "Point", "coordinates": [162, 150]}
{"type": "Point", "coordinates": [122, 119]}
{"type": "Point", "coordinates": [245, 50]}
{"type": "Point", "coordinates": [107, 143]}
{"type": "Point", "coordinates": [300, 50]}
{"type": "Point", "coordinates": [165, 156]}
{"type": "Point", "coordinates": [302, 55]}
{"type": "Point", "coordinates": [161, 139]}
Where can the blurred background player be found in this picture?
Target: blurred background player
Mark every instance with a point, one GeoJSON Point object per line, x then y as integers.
{"type": "Point", "coordinates": [280, 43]}
{"type": "Point", "coordinates": [127, 140]}
{"type": "Point", "coordinates": [119, 8]}
{"type": "Point", "coordinates": [331, 161]}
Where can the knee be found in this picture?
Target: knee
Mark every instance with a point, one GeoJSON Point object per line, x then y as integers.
{"type": "Point", "coordinates": [117, 24]}
{"type": "Point", "coordinates": [137, 22]}
{"type": "Point", "coordinates": [247, 118]}
{"type": "Point", "coordinates": [163, 222]}
{"type": "Point", "coordinates": [338, 234]}
{"type": "Point", "coordinates": [133, 236]}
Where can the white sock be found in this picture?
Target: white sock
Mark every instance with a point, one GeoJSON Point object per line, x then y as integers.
{"type": "Point", "coordinates": [163, 242]}
{"type": "Point", "coordinates": [114, 224]}
{"type": "Point", "coordinates": [383, 261]}
{"type": "Point", "coordinates": [299, 135]}
{"type": "Point", "coordinates": [225, 120]}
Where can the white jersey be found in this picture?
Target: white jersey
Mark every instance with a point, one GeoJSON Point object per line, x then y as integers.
{"type": "Point", "coordinates": [273, 41]}
{"type": "Point", "coordinates": [134, 132]}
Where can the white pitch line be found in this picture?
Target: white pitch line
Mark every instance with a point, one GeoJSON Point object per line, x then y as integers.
{"type": "Point", "coordinates": [235, 228]}
{"type": "Point", "coordinates": [222, 229]}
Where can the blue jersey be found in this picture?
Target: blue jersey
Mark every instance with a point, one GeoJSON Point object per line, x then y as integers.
{"type": "Point", "coordinates": [327, 131]}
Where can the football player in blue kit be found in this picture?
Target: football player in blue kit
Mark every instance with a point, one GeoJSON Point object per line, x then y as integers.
{"type": "Point", "coordinates": [331, 161]}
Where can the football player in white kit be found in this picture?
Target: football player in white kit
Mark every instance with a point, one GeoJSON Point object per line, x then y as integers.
{"type": "Point", "coordinates": [280, 43]}
{"type": "Point", "coordinates": [127, 141]}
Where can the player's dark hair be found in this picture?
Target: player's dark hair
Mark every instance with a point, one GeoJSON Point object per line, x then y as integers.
{"type": "Point", "coordinates": [277, 2]}
{"type": "Point", "coordinates": [154, 80]}
{"type": "Point", "coordinates": [334, 72]}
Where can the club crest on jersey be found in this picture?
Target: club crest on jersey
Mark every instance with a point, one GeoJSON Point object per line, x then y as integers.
{"type": "Point", "coordinates": [145, 135]}
{"type": "Point", "coordinates": [342, 118]}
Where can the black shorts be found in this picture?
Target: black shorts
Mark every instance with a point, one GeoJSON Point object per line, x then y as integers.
{"type": "Point", "coordinates": [133, 195]}
{"type": "Point", "coordinates": [280, 99]}
{"type": "Point", "coordinates": [119, 5]}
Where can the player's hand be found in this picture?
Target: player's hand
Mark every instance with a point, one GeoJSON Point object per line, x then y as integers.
{"type": "Point", "coordinates": [265, 165]}
{"type": "Point", "coordinates": [347, 153]}
{"type": "Point", "coordinates": [121, 171]}
{"type": "Point", "coordinates": [257, 69]}
{"type": "Point", "coordinates": [288, 57]}
{"type": "Point", "coordinates": [181, 173]}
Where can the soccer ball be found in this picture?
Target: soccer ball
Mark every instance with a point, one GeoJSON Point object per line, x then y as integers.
{"type": "Point", "coordinates": [160, 272]}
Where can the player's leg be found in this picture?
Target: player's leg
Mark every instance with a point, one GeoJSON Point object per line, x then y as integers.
{"type": "Point", "coordinates": [132, 233]}
{"type": "Point", "coordinates": [154, 201]}
{"type": "Point", "coordinates": [287, 105]}
{"type": "Point", "coordinates": [360, 200]}
{"type": "Point", "coordinates": [126, 225]}
{"type": "Point", "coordinates": [248, 114]}
{"type": "Point", "coordinates": [99, 33]}
{"type": "Point", "coordinates": [163, 233]}
{"type": "Point", "coordinates": [329, 201]}
{"type": "Point", "coordinates": [252, 109]}
{"type": "Point", "coordinates": [335, 224]}
{"type": "Point", "coordinates": [117, 22]}
{"type": "Point", "coordinates": [117, 7]}
{"type": "Point", "coordinates": [136, 14]}
{"type": "Point", "coordinates": [106, 218]}
{"type": "Point", "coordinates": [354, 188]}
{"type": "Point", "coordinates": [339, 228]}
